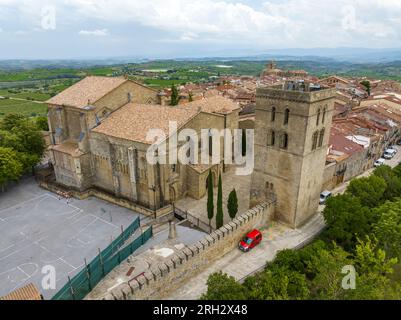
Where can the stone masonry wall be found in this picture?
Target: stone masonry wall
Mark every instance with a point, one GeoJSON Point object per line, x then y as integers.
{"type": "Point", "coordinates": [169, 275]}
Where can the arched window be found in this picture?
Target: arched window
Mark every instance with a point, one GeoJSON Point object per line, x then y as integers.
{"type": "Point", "coordinates": [314, 140]}
{"type": "Point", "coordinates": [286, 116]}
{"type": "Point", "coordinates": [324, 114]}
{"type": "Point", "coordinates": [321, 137]}
{"type": "Point", "coordinates": [273, 118]}
{"type": "Point", "coordinates": [271, 138]}
{"type": "Point", "coordinates": [284, 141]}
{"type": "Point", "coordinates": [318, 117]}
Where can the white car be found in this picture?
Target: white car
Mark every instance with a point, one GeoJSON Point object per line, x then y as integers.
{"type": "Point", "coordinates": [393, 148]}
{"type": "Point", "coordinates": [389, 154]}
{"type": "Point", "coordinates": [379, 162]}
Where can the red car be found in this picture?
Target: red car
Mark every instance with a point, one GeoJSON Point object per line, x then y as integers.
{"type": "Point", "coordinates": [251, 240]}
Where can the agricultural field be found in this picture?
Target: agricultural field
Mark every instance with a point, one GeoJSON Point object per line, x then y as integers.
{"type": "Point", "coordinates": [27, 108]}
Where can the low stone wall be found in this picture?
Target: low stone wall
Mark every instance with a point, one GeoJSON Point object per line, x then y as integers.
{"type": "Point", "coordinates": [53, 187]}
{"type": "Point", "coordinates": [176, 269]}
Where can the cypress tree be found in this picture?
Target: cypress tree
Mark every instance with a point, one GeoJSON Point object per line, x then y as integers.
{"type": "Point", "coordinates": [232, 204]}
{"type": "Point", "coordinates": [219, 214]}
{"type": "Point", "coordinates": [210, 205]}
{"type": "Point", "coordinates": [174, 95]}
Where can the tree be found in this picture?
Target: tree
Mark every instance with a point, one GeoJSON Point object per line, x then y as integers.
{"type": "Point", "coordinates": [11, 120]}
{"type": "Point", "coordinates": [369, 190]}
{"type": "Point", "coordinates": [232, 204]}
{"type": "Point", "coordinates": [223, 287]}
{"type": "Point", "coordinates": [346, 220]}
{"type": "Point", "coordinates": [278, 284]}
{"type": "Point", "coordinates": [24, 138]}
{"type": "Point", "coordinates": [327, 266]}
{"type": "Point", "coordinates": [210, 204]}
{"type": "Point", "coordinates": [373, 268]}
{"type": "Point", "coordinates": [219, 214]}
{"type": "Point", "coordinates": [367, 85]}
{"type": "Point", "coordinates": [388, 228]}
{"type": "Point", "coordinates": [190, 97]}
{"type": "Point", "coordinates": [393, 182]}
{"type": "Point", "coordinates": [42, 124]}
{"type": "Point", "coordinates": [174, 95]}
{"type": "Point", "coordinates": [10, 167]}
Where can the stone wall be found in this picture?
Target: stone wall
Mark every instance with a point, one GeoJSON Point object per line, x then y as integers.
{"type": "Point", "coordinates": [169, 275]}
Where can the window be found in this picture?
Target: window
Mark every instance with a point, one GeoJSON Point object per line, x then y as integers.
{"type": "Point", "coordinates": [284, 141]}
{"type": "Point", "coordinates": [314, 140]}
{"type": "Point", "coordinates": [273, 118]}
{"type": "Point", "coordinates": [271, 138]}
{"type": "Point", "coordinates": [324, 114]}
{"type": "Point", "coordinates": [318, 117]}
{"type": "Point", "coordinates": [321, 137]}
{"type": "Point", "coordinates": [286, 116]}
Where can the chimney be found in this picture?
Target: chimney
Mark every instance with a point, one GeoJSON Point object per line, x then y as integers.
{"type": "Point", "coordinates": [172, 230]}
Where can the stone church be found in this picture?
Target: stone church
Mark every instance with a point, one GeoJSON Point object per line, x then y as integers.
{"type": "Point", "coordinates": [98, 133]}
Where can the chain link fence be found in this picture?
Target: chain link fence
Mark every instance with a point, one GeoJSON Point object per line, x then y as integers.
{"type": "Point", "coordinates": [83, 283]}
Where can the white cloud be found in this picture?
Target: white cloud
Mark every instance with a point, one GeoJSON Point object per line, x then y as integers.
{"type": "Point", "coordinates": [97, 32]}
{"type": "Point", "coordinates": [239, 23]}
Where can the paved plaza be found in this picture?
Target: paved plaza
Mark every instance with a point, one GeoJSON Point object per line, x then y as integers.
{"type": "Point", "coordinates": [39, 229]}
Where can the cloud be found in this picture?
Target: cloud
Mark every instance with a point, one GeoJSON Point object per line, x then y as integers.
{"type": "Point", "coordinates": [96, 33]}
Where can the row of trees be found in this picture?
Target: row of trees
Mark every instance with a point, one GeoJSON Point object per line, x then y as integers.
{"type": "Point", "coordinates": [363, 234]}
{"type": "Point", "coordinates": [21, 146]}
{"type": "Point", "coordinates": [232, 203]}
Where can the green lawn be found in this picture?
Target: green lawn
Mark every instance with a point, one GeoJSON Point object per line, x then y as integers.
{"type": "Point", "coordinates": [27, 108]}
{"type": "Point", "coordinates": [37, 96]}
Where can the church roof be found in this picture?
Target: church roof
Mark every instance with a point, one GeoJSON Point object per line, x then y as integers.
{"type": "Point", "coordinates": [214, 104]}
{"type": "Point", "coordinates": [133, 121]}
{"type": "Point", "coordinates": [87, 91]}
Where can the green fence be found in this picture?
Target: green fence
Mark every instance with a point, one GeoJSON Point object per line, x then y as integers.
{"type": "Point", "coordinates": [83, 283]}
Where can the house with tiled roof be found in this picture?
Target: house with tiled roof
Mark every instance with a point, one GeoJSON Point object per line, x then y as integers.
{"type": "Point", "coordinates": [107, 151]}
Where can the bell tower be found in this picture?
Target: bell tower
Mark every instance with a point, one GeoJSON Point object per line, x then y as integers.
{"type": "Point", "coordinates": [292, 127]}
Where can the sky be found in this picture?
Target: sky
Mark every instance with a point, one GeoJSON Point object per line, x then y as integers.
{"type": "Point", "coordinates": [75, 29]}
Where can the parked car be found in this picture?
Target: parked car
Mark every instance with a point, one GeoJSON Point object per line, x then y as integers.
{"type": "Point", "coordinates": [399, 143]}
{"type": "Point", "coordinates": [389, 154]}
{"type": "Point", "coordinates": [393, 148]}
{"type": "Point", "coordinates": [324, 196]}
{"type": "Point", "coordinates": [251, 240]}
{"type": "Point", "coordinates": [379, 162]}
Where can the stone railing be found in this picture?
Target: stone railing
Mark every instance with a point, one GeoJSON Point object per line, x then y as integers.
{"type": "Point", "coordinates": [169, 275]}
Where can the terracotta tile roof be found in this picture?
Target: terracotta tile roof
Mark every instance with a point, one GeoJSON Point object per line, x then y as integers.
{"type": "Point", "coordinates": [89, 89]}
{"type": "Point", "coordinates": [133, 121]}
{"type": "Point", "coordinates": [214, 104]}
{"type": "Point", "coordinates": [339, 142]}
{"type": "Point", "coordinates": [29, 292]}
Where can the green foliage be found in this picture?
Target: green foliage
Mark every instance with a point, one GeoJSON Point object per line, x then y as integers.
{"type": "Point", "coordinates": [10, 167]}
{"type": "Point", "coordinates": [174, 96]}
{"type": "Point", "coordinates": [279, 284]}
{"type": "Point", "coordinates": [222, 287]}
{"type": "Point", "coordinates": [388, 227]}
{"type": "Point", "coordinates": [190, 97]}
{"type": "Point", "coordinates": [393, 182]}
{"type": "Point", "coordinates": [327, 266]}
{"type": "Point", "coordinates": [346, 220]}
{"type": "Point", "coordinates": [42, 124]}
{"type": "Point", "coordinates": [22, 135]}
{"type": "Point", "coordinates": [219, 214]}
{"type": "Point", "coordinates": [232, 204]}
{"type": "Point", "coordinates": [370, 190]}
{"type": "Point", "coordinates": [210, 204]}
{"type": "Point", "coordinates": [366, 84]}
